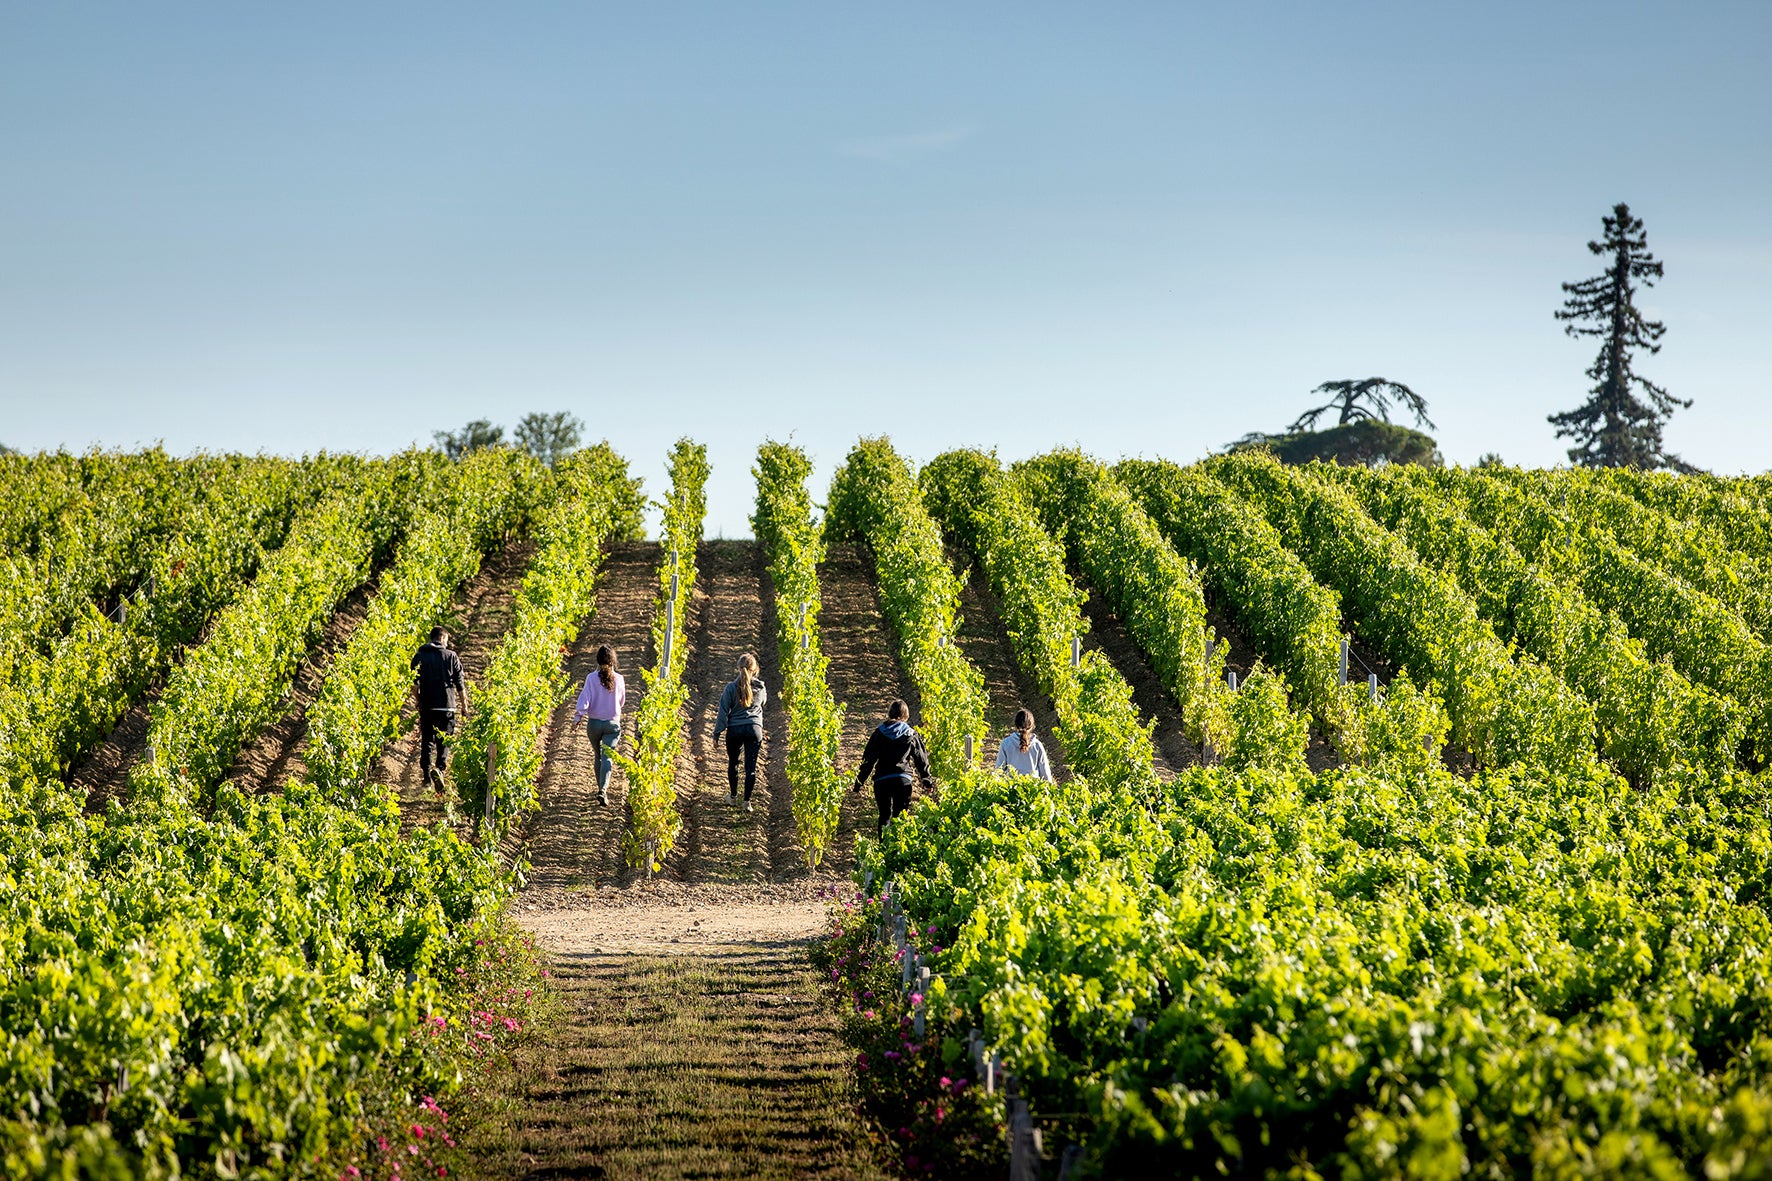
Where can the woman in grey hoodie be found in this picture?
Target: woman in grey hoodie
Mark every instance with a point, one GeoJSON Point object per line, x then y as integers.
{"type": "Point", "coordinates": [741, 717]}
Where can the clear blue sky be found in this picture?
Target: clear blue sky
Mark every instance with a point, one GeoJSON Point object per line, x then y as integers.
{"type": "Point", "coordinates": [1142, 228]}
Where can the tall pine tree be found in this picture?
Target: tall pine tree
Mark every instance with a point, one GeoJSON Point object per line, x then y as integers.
{"type": "Point", "coordinates": [1615, 427]}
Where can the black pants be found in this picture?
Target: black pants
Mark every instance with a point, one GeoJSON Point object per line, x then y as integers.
{"type": "Point", "coordinates": [433, 724]}
{"type": "Point", "coordinates": [749, 740]}
{"type": "Point", "coordinates": [893, 796]}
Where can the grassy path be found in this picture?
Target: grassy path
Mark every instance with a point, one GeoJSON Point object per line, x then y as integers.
{"type": "Point", "coordinates": [694, 1043]}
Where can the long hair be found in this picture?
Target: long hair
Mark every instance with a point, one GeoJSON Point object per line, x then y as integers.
{"type": "Point", "coordinates": [747, 668]}
{"type": "Point", "coordinates": [1023, 726]}
{"type": "Point", "coordinates": [606, 666]}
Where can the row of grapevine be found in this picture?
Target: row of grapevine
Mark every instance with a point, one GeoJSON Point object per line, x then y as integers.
{"type": "Point", "coordinates": [1734, 510]}
{"type": "Point", "coordinates": [1650, 717]}
{"type": "Point", "coordinates": [234, 684]}
{"type": "Point", "coordinates": [1706, 641]}
{"type": "Point", "coordinates": [64, 701]}
{"type": "Point", "coordinates": [1288, 975]}
{"type": "Point", "coordinates": [874, 500]}
{"type": "Point", "coordinates": [35, 490]}
{"type": "Point", "coordinates": [1501, 710]}
{"type": "Point", "coordinates": [1689, 550]}
{"type": "Point", "coordinates": [983, 509]}
{"type": "Point", "coordinates": [793, 544]}
{"type": "Point", "coordinates": [232, 993]}
{"type": "Point", "coordinates": [358, 711]}
{"type": "Point", "coordinates": [1291, 619]}
{"type": "Point", "coordinates": [1150, 588]}
{"type": "Point", "coordinates": [653, 819]}
{"type": "Point", "coordinates": [498, 752]}
{"type": "Point", "coordinates": [96, 548]}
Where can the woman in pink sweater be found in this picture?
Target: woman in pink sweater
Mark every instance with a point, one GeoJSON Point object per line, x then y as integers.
{"type": "Point", "coordinates": [600, 702]}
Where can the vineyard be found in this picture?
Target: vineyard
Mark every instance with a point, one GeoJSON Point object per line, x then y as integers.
{"type": "Point", "coordinates": [1413, 822]}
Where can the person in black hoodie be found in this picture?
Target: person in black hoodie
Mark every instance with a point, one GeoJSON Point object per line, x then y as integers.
{"type": "Point", "coordinates": [439, 679]}
{"type": "Point", "coordinates": [894, 754]}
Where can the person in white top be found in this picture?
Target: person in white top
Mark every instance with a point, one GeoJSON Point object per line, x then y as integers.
{"type": "Point", "coordinates": [1021, 752]}
{"type": "Point", "coordinates": [599, 705]}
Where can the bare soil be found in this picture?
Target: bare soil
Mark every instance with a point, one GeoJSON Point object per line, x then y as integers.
{"type": "Point", "coordinates": [864, 676]}
{"type": "Point", "coordinates": [574, 841]}
{"type": "Point", "coordinates": [722, 842]}
{"type": "Point", "coordinates": [477, 621]}
{"type": "Point", "coordinates": [104, 774]}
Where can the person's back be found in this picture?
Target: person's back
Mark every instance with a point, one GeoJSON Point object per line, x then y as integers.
{"type": "Point", "coordinates": [896, 757]}
{"type": "Point", "coordinates": [1021, 752]}
{"type": "Point", "coordinates": [439, 680]}
{"type": "Point", "coordinates": [439, 675]}
{"type": "Point", "coordinates": [740, 717]}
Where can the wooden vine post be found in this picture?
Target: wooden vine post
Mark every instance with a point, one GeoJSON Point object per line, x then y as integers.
{"type": "Point", "coordinates": [491, 775]}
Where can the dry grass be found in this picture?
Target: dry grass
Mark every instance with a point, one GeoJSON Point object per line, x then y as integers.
{"type": "Point", "coordinates": [720, 1064]}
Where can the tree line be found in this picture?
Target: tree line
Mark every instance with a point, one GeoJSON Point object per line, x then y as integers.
{"type": "Point", "coordinates": [548, 437]}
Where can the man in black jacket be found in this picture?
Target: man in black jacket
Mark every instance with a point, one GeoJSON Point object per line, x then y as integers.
{"type": "Point", "coordinates": [439, 680]}
{"type": "Point", "coordinates": [894, 753]}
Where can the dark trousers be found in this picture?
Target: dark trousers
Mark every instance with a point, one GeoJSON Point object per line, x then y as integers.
{"type": "Point", "coordinates": [433, 724]}
{"type": "Point", "coordinates": [893, 796]}
{"type": "Point", "coordinates": [748, 740]}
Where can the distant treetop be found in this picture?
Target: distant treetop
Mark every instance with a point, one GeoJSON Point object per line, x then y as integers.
{"type": "Point", "coordinates": [548, 437]}
{"type": "Point", "coordinates": [1615, 427]}
{"type": "Point", "coordinates": [1364, 398]}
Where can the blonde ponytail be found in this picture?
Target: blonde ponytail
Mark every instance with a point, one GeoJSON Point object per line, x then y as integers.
{"type": "Point", "coordinates": [747, 668]}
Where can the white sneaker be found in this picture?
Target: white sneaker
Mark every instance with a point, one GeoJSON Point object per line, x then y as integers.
{"type": "Point", "coordinates": [747, 805]}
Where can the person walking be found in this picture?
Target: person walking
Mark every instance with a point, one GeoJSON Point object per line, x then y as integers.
{"type": "Point", "coordinates": [1021, 752]}
{"type": "Point", "coordinates": [895, 755]}
{"type": "Point", "coordinates": [741, 717]}
{"type": "Point", "coordinates": [439, 680]}
{"type": "Point", "coordinates": [599, 705]}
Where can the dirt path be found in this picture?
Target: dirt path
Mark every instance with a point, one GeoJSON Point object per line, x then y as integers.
{"type": "Point", "coordinates": [477, 621]}
{"type": "Point", "coordinates": [275, 756]}
{"type": "Point", "coordinates": [721, 842]}
{"type": "Point", "coordinates": [986, 645]}
{"type": "Point", "coordinates": [573, 841]}
{"type": "Point", "coordinates": [864, 674]}
{"type": "Point", "coordinates": [695, 1044]}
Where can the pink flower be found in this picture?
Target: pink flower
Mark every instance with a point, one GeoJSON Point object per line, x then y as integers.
{"type": "Point", "coordinates": [946, 1082]}
{"type": "Point", "coordinates": [916, 999]}
{"type": "Point", "coordinates": [418, 1130]}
